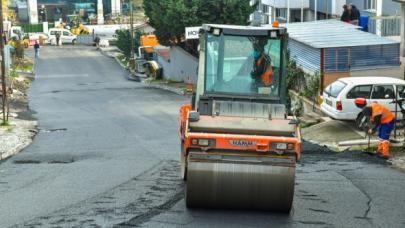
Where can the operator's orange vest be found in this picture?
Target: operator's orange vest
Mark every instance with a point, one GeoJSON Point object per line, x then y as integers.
{"type": "Point", "coordinates": [379, 109]}
{"type": "Point", "coordinates": [268, 72]}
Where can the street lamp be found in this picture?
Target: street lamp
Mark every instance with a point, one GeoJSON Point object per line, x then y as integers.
{"type": "Point", "coordinates": [402, 55]}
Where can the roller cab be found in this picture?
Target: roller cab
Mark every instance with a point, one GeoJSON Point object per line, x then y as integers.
{"type": "Point", "coordinates": [239, 147]}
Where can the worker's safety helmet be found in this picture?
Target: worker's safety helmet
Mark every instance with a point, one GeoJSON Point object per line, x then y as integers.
{"type": "Point", "coordinates": [360, 102]}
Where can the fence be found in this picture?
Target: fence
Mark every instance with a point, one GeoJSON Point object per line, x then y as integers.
{"type": "Point", "coordinates": [85, 39]}
{"type": "Point", "coordinates": [30, 28]}
{"type": "Point", "coordinates": [390, 26]}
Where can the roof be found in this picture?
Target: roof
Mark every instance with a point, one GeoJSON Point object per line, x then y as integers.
{"type": "Point", "coordinates": [333, 33]}
{"type": "Point", "coordinates": [243, 30]}
{"type": "Point", "coordinates": [372, 80]}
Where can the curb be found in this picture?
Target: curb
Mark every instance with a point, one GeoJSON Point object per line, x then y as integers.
{"type": "Point", "coordinates": [178, 91]}
{"type": "Point", "coordinates": [27, 132]}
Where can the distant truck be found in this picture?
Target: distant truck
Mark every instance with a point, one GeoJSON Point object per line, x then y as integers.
{"type": "Point", "coordinates": [147, 42]}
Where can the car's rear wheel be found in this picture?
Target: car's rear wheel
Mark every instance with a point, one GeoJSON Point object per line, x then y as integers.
{"type": "Point", "coordinates": [362, 122]}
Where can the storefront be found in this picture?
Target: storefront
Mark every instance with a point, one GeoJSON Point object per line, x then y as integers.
{"type": "Point", "coordinates": [83, 10]}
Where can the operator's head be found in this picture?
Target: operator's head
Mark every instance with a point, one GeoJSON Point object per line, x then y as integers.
{"type": "Point", "coordinates": [258, 47]}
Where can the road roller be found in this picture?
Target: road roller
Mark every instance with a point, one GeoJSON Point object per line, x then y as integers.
{"type": "Point", "coordinates": [239, 146]}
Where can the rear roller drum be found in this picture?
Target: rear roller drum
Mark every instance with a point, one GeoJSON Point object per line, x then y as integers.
{"type": "Point", "coordinates": [240, 185]}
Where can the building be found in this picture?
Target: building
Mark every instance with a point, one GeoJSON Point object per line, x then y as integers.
{"type": "Point", "coordinates": [282, 10]}
{"type": "Point", "coordinates": [335, 49]}
{"type": "Point", "coordinates": [91, 11]}
{"type": "Point", "coordinates": [291, 10]}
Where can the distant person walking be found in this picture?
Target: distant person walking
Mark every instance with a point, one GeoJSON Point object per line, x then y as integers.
{"type": "Point", "coordinates": [97, 41]}
{"type": "Point", "coordinates": [36, 48]}
{"type": "Point", "coordinates": [57, 35]}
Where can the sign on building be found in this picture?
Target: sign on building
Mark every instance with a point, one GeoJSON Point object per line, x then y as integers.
{"type": "Point", "coordinates": [192, 33]}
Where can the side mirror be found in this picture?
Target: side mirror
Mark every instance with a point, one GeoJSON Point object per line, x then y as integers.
{"type": "Point", "coordinates": [387, 96]}
{"type": "Point", "coordinates": [193, 116]}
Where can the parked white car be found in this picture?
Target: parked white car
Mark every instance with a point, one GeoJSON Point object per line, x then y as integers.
{"type": "Point", "coordinates": [35, 36]}
{"type": "Point", "coordinates": [65, 36]}
{"type": "Point", "coordinates": [339, 96]}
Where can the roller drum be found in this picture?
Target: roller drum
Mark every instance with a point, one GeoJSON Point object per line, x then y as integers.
{"type": "Point", "coordinates": [240, 182]}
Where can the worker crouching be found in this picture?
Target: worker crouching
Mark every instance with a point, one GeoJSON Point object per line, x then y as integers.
{"type": "Point", "coordinates": [383, 120]}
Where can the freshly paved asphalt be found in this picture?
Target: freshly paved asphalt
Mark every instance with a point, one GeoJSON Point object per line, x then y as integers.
{"type": "Point", "coordinates": [107, 155]}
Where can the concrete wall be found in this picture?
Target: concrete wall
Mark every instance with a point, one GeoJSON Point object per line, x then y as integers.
{"type": "Point", "coordinates": [394, 72]}
{"type": "Point", "coordinates": [182, 66]}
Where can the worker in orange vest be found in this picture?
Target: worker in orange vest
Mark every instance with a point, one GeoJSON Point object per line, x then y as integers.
{"type": "Point", "coordinates": [262, 68]}
{"type": "Point", "coordinates": [383, 119]}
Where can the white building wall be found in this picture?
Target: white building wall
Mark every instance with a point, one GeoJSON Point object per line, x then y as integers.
{"type": "Point", "coordinates": [115, 7]}
{"type": "Point", "coordinates": [100, 12]}
{"type": "Point", "coordinates": [33, 11]}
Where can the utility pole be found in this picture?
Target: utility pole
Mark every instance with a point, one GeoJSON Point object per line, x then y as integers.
{"type": "Point", "coordinates": [131, 21]}
{"type": "Point", "coordinates": [288, 11]}
{"type": "Point", "coordinates": [302, 10]}
{"type": "Point", "coordinates": [316, 10]}
{"type": "Point", "coordinates": [3, 64]}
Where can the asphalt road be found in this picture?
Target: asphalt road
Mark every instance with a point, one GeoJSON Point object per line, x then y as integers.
{"type": "Point", "coordinates": [107, 155]}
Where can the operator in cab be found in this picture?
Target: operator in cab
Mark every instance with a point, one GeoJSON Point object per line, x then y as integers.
{"type": "Point", "coordinates": [262, 71]}
{"type": "Point", "coordinates": [383, 120]}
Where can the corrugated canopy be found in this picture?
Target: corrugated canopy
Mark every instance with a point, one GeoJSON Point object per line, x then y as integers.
{"type": "Point", "coordinates": [332, 33]}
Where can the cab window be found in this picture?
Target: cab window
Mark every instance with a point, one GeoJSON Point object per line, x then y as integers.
{"type": "Point", "coordinates": [383, 92]}
{"type": "Point", "coordinates": [66, 33]}
{"type": "Point", "coordinates": [362, 91]}
{"type": "Point", "coordinates": [53, 32]}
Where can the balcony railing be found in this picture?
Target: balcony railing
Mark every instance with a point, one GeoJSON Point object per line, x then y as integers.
{"type": "Point", "coordinates": [390, 26]}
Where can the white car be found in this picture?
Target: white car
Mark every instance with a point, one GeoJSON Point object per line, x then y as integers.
{"type": "Point", "coordinates": [339, 96]}
{"type": "Point", "coordinates": [65, 36]}
{"type": "Point", "coordinates": [35, 36]}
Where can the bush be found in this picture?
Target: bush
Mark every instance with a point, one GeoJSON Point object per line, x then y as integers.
{"type": "Point", "coordinates": [124, 41]}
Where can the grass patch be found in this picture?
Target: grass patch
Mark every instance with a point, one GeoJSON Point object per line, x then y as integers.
{"type": "Point", "coordinates": [393, 149]}
{"type": "Point", "coordinates": [25, 65]}
{"type": "Point", "coordinates": [123, 60]}
{"type": "Point", "coordinates": [5, 124]}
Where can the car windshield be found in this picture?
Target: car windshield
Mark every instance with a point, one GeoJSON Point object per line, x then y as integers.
{"type": "Point", "coordinates": [243, 65]}
{"type": "Point", "coordinates": [335, 88]}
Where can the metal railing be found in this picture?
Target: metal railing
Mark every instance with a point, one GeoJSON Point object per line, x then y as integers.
{"type": "Point", "coordinates": [390, 25]}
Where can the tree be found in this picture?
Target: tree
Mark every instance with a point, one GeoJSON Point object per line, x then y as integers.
{"type": "Point", "coordinates": [124, 40]}
{"type": "Point", "coordinates": [170, 17]}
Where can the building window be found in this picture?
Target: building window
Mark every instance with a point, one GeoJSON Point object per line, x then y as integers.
{"type": "Point", "coordinates": [265, 9]}
{"type": "Point", "coordinates": [281, 13]}
{"type": "Point", "coordinates": [370, 5]}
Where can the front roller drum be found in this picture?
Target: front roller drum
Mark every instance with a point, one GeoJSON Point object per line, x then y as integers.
{"type": "Point", "coordinates": [261, 183]}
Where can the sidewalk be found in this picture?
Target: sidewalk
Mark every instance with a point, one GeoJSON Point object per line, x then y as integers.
{"type": "Point", "coordinates": [21, 126]}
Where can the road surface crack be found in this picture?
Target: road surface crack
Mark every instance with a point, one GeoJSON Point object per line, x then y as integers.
{"type": "Point", "coordinates": [369, 199]}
